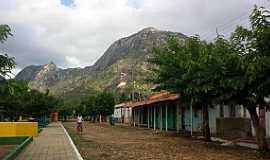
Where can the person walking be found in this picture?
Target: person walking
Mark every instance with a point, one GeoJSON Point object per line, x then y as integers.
{"type": "Point", "coordinates": [79, 124]}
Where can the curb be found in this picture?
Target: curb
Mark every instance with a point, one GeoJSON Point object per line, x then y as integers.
{"type": "Point", "coordinates": [15, 151]}
{"type": "Point", "coordinates": [72, 144]}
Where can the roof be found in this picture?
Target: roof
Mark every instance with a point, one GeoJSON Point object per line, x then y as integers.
{"type": "Point", "coordinates": [155, 98]}
{"type": "Point", "coordinates": [121, 105]}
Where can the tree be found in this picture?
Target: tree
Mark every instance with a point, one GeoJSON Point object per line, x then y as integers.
{"type": "Point", "coordinates": [6, 63]}
{"type": "Point", "coordinates": [5, 32]}
{"type": "Point", "coordinates": [123, 97]}
{"type": "Point", "coordinates": [40, 104]}
{"type": "Point", "coordinates": [90, 103]}
{"type": "Point", "coordinates": [105, 103]}
{"type": "Point", "coordinates": [234, 71]}
{"type": "Point", "coordinates": [24, 101]}
{"type": "Point", "coordinates": [181, 67]}
{"type": "Point", "coordinates": [65, 109]}
{"type": "Point", "coordinates": [253, 46]}
{"type": "Point", "coordinates": [12, 103]}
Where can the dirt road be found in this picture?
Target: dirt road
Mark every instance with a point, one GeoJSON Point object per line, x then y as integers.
{"type": "Point", "coordinates": [4, 149]}
{"type": "Point", "coordinates": [104, 142]}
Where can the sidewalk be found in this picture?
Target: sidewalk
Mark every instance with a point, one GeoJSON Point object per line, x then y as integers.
{"type": "Point", "coordinates": [51, 144]}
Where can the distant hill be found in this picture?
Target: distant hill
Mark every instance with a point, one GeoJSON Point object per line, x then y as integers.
{"type": "Point", "coordinates": [2, 78]}
{"type": "Point", "coordinates": [123, 60]}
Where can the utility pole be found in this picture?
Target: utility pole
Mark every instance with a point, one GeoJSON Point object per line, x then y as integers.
{"type": "Point", "coordinates": [132, 80]}
{"type": "Point", "coordinates": [191, 117]}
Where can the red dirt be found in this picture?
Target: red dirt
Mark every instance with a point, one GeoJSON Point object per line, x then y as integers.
{"type": "Point", "coordinates": [4, 149]}
{"type": "Point", "coordinates": [104, 142]}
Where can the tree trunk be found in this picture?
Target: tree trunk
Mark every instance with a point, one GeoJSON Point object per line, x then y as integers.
{"type": "Point", "coordinates": [206, 129]}
{"type": "Point", "coordinates": [259, 128]}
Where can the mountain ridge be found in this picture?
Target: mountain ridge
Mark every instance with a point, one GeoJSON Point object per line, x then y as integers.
{"type": "Point", "coordinates": [126, 55]}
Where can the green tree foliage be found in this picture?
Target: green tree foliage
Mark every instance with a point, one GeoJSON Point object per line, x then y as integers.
{"type": "Point", "coordinates": [24, 101]}
{"type": "Point", "coordinates": [5, 32]}
{"type": "Point", "coordinates": [6, 63]}
{"type": "Point", "coordinates": [12, 99]}
{"type": "Point", "coordinates": [234, 71]}
{"type": "Point", "coordinates": [65, 109]}
{"type": "Point", "coordinates": [90, 106]}
{"type": "Point", "coordinates": [253, 46]}
{"type": "Point", "coordinates": [40, 104]}
{"type": "Point", "coordinates": [123, 97]}
{"type": "Point", "coordinates": [183, 66]}
{"type": "Point", "coordinates": [105, 103]}
{"type": "Point", "coordinates": [101, 104]}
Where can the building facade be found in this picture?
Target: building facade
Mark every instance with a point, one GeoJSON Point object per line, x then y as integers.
{"type": "Point", "coordinates": [122, 113]}
{"type": "Point", "coordinates": [164, 111]}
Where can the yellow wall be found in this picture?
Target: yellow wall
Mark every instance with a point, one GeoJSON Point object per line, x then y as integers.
{"type": "Point", "coordinates": [12, 129]}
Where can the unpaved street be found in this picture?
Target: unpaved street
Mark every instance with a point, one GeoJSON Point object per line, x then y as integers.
{"type": "Point", "coordinates": [104, 142]}
{"type": "Point", "coordinates": [4, 149]}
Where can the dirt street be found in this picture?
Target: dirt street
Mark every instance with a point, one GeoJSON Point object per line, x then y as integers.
{"type": "Point", "coordinates": [4, 149]}
{"type": "Point", "coordinates": [104, 142]}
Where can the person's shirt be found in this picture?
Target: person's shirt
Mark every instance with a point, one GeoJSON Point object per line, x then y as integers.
{"type": "Point", "coordinates": [79, 120]}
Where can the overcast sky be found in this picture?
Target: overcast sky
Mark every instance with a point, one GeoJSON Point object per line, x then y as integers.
{"type": "Point", "coordinates": [75, 33]}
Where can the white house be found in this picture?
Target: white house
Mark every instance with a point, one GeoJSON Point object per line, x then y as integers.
{"type": "Point", "coordinates": [122, 113]}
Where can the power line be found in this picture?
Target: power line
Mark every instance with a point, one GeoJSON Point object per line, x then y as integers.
{"type": "Point", "coordinates": [231, 24]}
{"type": "Point", "coordinates": [227, 29]}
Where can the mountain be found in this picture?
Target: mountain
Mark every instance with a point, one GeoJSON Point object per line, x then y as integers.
{"type": "Point", "coordinates": [2, 78]}
{"type": "Point", "coordinates": [125, 61]}
{"type": "Point", "coordinates": [134, 46]}
{"type": "Point", "coordinates": [28, 73]}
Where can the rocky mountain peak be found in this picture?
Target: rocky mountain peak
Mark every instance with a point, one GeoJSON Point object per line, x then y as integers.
{"type": "Point", "coordinates": [52, 63]}
{"type": "Point", "coordinates": [134, 46]}
{"type": "Point", "coordinates": [49, 67]}
{"type": "Point", "coordinates": [122, 56]}
{"type": "Point", "coordinates": [39, 71]}
{"type": "Point", "coordinates": [148, 29]}
{"type": "Point", "coordinates": [2, 78]}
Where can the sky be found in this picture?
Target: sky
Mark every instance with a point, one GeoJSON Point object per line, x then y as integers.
{"type": "Point", "coordinates": [75, 33]}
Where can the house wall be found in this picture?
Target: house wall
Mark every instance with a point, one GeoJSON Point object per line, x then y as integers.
{"type": "Point", "coordinates": [196, 122]}
{"type": "Point", "coordinates": [158, 117]}
{"type": "Point", "coordinates": [236, 115]}
{"type": "Point", "coordinates": [214, 113]}
{"type": "Point", "coordinates": [267, 124]}
{"type": "Point", "coordinates": [126, 115]}
{"type": "Point", "coordinates": [175, 117]}
{"type": "Point", "coordinates": [117, 113]}
{"type": "Point", "coordinates": [242, 112]}
{"type": "Point", "coordinates": [233, 127]}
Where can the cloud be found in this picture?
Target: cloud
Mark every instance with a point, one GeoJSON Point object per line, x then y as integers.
{"type": "Point", "coordinates": [75, 33]}
{"type": "Point", "coordinates": [73, 62]}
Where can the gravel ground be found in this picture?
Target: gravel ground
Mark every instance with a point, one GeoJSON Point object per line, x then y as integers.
{"type": "Point", "coordinates": [104, 142]}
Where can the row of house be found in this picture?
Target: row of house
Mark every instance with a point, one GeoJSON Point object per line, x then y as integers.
{"type": "Point", "coordinates": [164, 111]}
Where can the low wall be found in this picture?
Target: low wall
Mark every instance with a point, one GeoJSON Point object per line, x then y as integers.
{"type": "Point", "coordinates": [233, 127]}
{"type": "Point", "coordinates": [15, 129]}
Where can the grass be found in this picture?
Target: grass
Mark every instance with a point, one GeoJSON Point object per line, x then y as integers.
{"type": "Point", "coordinates": [80, 142]}
{"type": "Point", "coordinates": [74, 136]}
